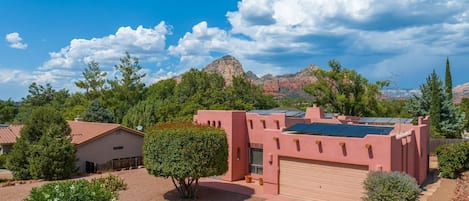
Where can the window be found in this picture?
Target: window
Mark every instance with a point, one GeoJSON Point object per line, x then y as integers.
{"type": "Point", "coordinates": [277, 122]}
{"type": "Point", "coordinates": [255, 160]}
{"type": "Point", "coordinates": [118, 147]}
{"type": "Point", "coordinates": [250, 124]}
{"type": "Point", "coordinates": [263, 123]}
{"type": "Point", "coordinates": [219, 124]}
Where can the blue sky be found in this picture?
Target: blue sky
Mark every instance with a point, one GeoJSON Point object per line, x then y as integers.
{"type": "Point", "coordinates": [401, 40]}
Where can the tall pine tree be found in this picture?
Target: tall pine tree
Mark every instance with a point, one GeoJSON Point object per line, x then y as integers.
{"type": "Point", "coordinates": [448, 81]}
{"type": "Point", "coordinates": [435, 106]}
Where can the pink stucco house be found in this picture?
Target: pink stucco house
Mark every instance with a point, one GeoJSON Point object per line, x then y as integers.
{"type": "Point", "coordinates": [306, 155]}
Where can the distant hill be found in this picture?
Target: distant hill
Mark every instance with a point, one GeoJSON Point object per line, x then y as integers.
{"type": "Point", "coordinates": [460, 91]}
{"type": "Point", "coordinates": [291, 85]}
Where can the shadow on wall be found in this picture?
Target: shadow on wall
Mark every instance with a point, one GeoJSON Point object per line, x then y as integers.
{"type": "Point", "coordinates": [207, 193]}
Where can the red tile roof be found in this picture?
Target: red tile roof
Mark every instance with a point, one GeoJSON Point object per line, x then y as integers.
{"type": "Point", "coordinates": [9, 134]}
{"type": "Point", "coordinates": [82, 132]}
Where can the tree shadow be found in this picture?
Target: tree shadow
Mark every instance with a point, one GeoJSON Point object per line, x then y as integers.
{"type": "Point", "coordinates": [207, 192]}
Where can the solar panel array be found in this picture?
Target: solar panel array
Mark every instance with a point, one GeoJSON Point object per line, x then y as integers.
{"type": "Point", "coordinates": [383, 120]}
{"type": "Point", "coordinates": [341, 130]}
{"type": "Point", "coordinates": [288, 113]}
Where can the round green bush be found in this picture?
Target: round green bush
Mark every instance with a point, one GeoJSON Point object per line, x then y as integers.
{"type": "Point", "coordinates": [390, 186]}
{"type": "Point", "coordinates": [452, 159]}
{"type": "Point", "coordinates": [75, 190]}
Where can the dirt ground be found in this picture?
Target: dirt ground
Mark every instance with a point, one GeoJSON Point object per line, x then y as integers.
{"type": "Point", "coordinates": [144, 187]}
{"type": "Point", "coordinates": [140, 186]}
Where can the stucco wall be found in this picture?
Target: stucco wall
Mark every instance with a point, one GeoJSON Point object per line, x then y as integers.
{"type": "Point", "coordinates": [101, 150]}
{"type": "Point", "coordinates": [404, 149]}
{"type": "Point", "coordinates": [234, 124]}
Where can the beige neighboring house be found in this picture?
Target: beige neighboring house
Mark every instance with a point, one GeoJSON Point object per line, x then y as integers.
{"type": "Point", "coordinates": [99, 145]}
{"type": "Point", "coordinates": [8, 137]}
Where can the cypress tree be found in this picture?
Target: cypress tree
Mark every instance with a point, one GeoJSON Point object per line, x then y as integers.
{"type": "Point", "coordinates": [435, 106]}
{"type": "Point", "coordinates": [448, 81]}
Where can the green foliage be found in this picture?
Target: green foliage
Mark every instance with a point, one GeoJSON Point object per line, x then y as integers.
{"type": "Point", "coordinates": [8, 111]}
{"type": "Point", "coordinates": [52, 158]}
{"type": "Point", "coordinates": [453, 159]}
{"type": "Point", "coordinates": [3, 160]}
{"type": "Point", "coordinates": [435, 106]}
{"type": "Point", "coordinates": [185, 152]}
{"type": "Point", "coordinates": [94, 80]}
{"type": "Point", "coordinates": [111, 183]}
{"type": "Point", "coordinates": [17, 161]}
{"type": "Point", "coordinates": [344, 91]}
{"type": "Point", "coordinates": [161, 90]}
{"type": "Point", "coordinates": [145, 114]}
{"type": "Point", "coordinates": [74, 190]}
{"type": "Point", "coordinates": [96, 112]}
{"type": "Point", "coordinates": [44, 149]}
{"type": "Point", "coordinates": [448, 81]}
{"type": "Point", "coordinates": [127, 87]}
{"type": "Point", "coordinates": [390, 186]}
{"type": "Point", "coordinates": [446, 118]}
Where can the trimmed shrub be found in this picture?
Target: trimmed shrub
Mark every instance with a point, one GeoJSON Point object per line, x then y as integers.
{"type": "Point", "coordinates": [75, 190]}
{"type": "Point", "coordinates": [390, 186]}
{"type": "Point", "coordinates": [453, 159]}
{"type": "Point", "coordinates": [110, 183]}
{"type": "Point", "coordinates": [185, 152]}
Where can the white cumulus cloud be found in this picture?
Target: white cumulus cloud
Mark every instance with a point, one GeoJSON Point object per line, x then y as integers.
{"type": "Point", "coordinates": [15, 41]}
{"type": "Point", "coordinates": [148, 44]}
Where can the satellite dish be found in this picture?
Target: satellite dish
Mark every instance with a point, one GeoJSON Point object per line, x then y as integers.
{"type": "Point", "coordinates": [139, 128]}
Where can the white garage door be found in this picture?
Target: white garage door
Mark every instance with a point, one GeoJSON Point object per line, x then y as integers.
{"type": "Point", "coordinates": [319, 180]}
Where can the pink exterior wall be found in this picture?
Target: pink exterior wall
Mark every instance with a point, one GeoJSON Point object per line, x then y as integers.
{"type": "Point", "coordinates": [405, 149]}
{"type": "Point", "coordinates": [234, 124]}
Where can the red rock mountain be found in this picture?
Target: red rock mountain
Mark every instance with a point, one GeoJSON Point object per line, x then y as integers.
{"type": "Point", "coordinates": [282, 85]}
{"type": "Point", "coordinates": [460, 91]}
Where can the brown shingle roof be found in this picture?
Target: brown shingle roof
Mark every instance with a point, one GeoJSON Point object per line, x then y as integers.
{"type": "Point", "coordinates": [82, 132]}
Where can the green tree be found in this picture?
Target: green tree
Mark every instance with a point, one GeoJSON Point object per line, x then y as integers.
{"type": "Point", "coordinates": [144, 114]}
{"type": "Point", "coordinates": [53, 157]}
{"type": "Point", "coordinates": [127, 87]}
{"type": "Point", "coordinates": [185, 152]}
{"type": "Point", "coordinates": [448, 81]}
{"type": "Point", "coordinates": [162, 90]}
{"type": "Point", "coordinates": [39, 95]}
{"type": "Point", "coordinates": [43, 121]}
{"type": "Point", "coordinates": [435, 104]}
{"type": "Point", "coordinates": [96, 112]}
{"type": "Point", "coordinates": [8, 111]}
{"type": "Point", "coordinates": [93, 82]}
{"type": "Point", "coordinates": [344, 91]}
{"type": "Point", "coordinates": [446, 118]}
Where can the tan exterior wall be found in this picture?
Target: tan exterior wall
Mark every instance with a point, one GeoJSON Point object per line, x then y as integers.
{"type": "Point", "coordinates": [102, 150]}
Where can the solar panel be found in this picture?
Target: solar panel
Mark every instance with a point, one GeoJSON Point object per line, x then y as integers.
{"type": "Point", "coordinates": [287, 113]}
{"type": "Point", "coordinates": [383, 120]}
{"type": "Point", "coordinates": [341, 130]}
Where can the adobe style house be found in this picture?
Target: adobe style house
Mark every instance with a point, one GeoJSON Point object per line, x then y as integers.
{"type": "Point", "coordinates": [99, 145]}
{"type": "Point", "coordinates": [308, 156]}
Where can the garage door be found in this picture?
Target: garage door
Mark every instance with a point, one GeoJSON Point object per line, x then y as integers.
{"type": "Point", "coordinates": [319, 180]}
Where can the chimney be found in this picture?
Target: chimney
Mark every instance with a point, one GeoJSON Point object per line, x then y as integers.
{"type": "Point", "coordinates": [314, 112]}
